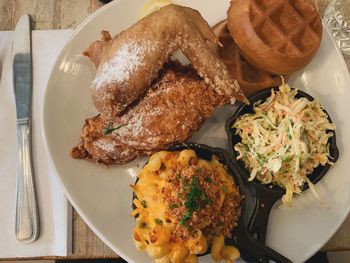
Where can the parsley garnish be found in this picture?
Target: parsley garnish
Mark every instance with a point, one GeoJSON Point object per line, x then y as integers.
{"type": "Point", "coordinates": [199, 170]}
{"type": "Point", "coordinates": [158, 221]}
{"type": "Point", "coordinates": [224, 188]}
{"type": "Point", "coordinates": [186, 217]}
{"type": "Point", "coordinates": [195, 200]}
{"type": "Point", "coordinates": [208, 179]}
{"type": "Point", "coordinates": [207, 201]}
{"type": "Point", "coordinates": [186, 182]}
{"type": "Point", "coordinates": [183, 220]}
{"type": "Point", "coordinates": [173, 206]}
{"type": "Point", "coordinates": [109, 129]}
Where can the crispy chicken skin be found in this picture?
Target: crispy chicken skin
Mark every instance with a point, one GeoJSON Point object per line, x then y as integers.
{"type": "Point", "coordinates": [174, 107]}
{"type": "Point", "coordinates": [128, 63]}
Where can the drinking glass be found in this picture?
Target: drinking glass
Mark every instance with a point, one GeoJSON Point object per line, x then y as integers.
{"type": "Point", "coordinates": [337, 19]}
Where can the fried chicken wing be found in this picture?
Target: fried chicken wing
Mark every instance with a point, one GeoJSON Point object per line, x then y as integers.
{"type": "Point", "coordinates": [174, 107]}
{"type": "Point", "coordinates": [129, 62]}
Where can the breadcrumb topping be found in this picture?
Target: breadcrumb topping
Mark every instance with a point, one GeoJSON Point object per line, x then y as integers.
{"type": "Point", "coordinates": [198, 198]}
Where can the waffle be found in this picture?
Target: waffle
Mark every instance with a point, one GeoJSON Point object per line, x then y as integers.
{"type": "Point", "coordinates": [249, 77]}
{"type": "Point", "coordinates": [279, 36]}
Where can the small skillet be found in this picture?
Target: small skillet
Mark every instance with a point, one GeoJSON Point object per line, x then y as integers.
{"type": "Point", "coordinates": [250, 249]}
{"type": "Point", "coordinates": [268, 194]}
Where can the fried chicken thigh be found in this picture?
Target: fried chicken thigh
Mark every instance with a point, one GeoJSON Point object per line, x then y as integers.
{"type": "Point", "coordinates": [129, 62]}
{"type": "Point", "coordinates": [174, 107]}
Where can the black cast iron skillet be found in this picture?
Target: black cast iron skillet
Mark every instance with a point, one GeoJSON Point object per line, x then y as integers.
{"type": "Point", "coordinates": [267, 195]}
{"type": "Point", "coordinates": [250, 249]}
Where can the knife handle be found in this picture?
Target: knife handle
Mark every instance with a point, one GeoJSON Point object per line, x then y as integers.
{"type": "Point", "coordinates": [27, 219]}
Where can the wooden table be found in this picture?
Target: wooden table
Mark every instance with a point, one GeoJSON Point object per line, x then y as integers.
{"type": "Point", "coordinates": [60, 14]}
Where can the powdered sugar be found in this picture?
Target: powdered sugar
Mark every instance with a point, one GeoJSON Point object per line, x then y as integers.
{"type": "Point", "coordinates": [119, 68]}
{"type": "Point", "coordinates": [133, 127]}
{"type": "Point", "coordinates": [105, 146]}
{"type": "Point", "coordinates": [136, 122]}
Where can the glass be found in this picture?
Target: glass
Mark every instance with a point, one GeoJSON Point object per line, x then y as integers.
{"type": "Point", "coordinates": [337, 19]}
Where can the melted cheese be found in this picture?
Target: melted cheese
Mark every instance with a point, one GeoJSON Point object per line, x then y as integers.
{"type": "Point", "coordinates": [153, 229]}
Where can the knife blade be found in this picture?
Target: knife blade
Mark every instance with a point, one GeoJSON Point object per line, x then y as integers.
{"type": "Point", "coordinates": [27, 218]}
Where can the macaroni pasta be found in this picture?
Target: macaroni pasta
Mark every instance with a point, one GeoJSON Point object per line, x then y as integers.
{"type": "Point", "coordinates": [182, 206]}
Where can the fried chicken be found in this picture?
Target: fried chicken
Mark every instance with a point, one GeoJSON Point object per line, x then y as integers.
{"type": "Point", "coordinates": [129, 62]}
{"type": "Point", "coordinates": [174, 107]}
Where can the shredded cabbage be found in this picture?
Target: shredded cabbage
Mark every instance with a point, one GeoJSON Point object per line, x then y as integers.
{"type": "Point", "coordinates": [284, 140]}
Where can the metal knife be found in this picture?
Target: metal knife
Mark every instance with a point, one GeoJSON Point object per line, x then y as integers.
{"type": "Point", "coordinates": [27, 217]}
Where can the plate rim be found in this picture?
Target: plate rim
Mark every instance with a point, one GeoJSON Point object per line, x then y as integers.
{"type": "Point", "coordinates": [44, 116]}
{"type": "Point", "coordinates": [52, 162]}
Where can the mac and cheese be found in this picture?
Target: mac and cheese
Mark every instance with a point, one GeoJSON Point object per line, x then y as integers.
{"type": "Point", "coordinates": [184, 205]}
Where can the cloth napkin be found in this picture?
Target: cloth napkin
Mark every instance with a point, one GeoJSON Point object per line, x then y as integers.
{"type": "Point", "coordinates": [54, 208]}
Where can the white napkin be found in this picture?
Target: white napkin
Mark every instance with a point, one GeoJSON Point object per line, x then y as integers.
{"type": "Point", "coordinates": [55, 211]}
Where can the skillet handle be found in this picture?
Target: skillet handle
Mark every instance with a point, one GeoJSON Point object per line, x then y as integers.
{"type": "Point", "coordinates": [253, 251]}
{"type": "Point", "coordinates": [265, 199]}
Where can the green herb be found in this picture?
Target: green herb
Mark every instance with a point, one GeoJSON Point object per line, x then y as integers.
{"type": "Point", "coordinates": [195, 199]}
{"type": "Point", "coordinates": [183, 220]}
{"type": "Point", "coordinates": [158, 221]}
{"type": "Point", "coordinates": [173, 206]}
{"type": "Point", "coordinates": [178, 176]}
{"type": "Point", "coordinates": [208, 179]}
{"type": "Point", "coordinates": [287, 158]}
{"type": "Point", "coordinates": [144, 203]}
{"type": "Point", "coordinates": [186, 217]}
{"type": "Point", "coordinates": [193, 196]}
{"type": "Point", "coordinates": [261, 159]}
{"type": "Point", "coordinates": [186, 182]}
{"type": "Point", "coordinates": [207, 201]}
{"type": "Point", "coordinates": [109, 129]}
{"type": "Point", "coordinates": [224, 188]}
{"type": "Point", "coordinates": [199, 170]}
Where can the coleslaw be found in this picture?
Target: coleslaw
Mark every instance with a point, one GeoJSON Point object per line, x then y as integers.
{"type": "Point", "coordinates": [284, 140]}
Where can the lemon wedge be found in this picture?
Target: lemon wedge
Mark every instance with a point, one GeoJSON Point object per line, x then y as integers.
{"type": "Point", "coordinates": [152, 6]}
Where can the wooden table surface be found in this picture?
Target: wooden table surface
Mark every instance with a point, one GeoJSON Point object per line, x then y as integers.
{"type": "Point", "coordinates": [61, 14]}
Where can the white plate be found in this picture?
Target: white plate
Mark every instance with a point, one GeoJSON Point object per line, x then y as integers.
{"type": "Point", "coordinates": [102, 195]}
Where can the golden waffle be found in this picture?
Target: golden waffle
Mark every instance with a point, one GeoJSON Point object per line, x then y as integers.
{"type": "Point", "coordinates": [279, 36]}
{"type": "Point", "coordinates": [249, 77]}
